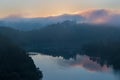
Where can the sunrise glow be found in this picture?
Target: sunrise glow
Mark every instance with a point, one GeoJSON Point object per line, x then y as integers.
{"type": "Point", "coordinates": [43, 8]}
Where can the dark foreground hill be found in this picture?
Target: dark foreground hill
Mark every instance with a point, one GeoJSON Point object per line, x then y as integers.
{"type": "Point", "coordinates": [15, 64]}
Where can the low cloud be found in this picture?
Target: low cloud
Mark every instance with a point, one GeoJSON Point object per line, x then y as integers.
{"type": "Point", "coordinates": [101, 16]}
{"type": "Point", "coordinates": [85, 62]}
{"type": "Point", "coordinates": [92, 16]}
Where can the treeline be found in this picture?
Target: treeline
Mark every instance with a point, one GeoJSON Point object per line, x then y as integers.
{"type": "Point", "coordinates": [62, 35]}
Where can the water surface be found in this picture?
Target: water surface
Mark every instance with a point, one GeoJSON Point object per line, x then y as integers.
{"type": "Point", "coordinates": [80, 68]}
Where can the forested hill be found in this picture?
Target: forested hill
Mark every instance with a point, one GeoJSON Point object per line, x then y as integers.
{"type": "Point", "coordinates": [70, 37]}
{"type": "Point", "coordinates": [62, 35]}
{"type": "Point", "coordinates": [15, 64]}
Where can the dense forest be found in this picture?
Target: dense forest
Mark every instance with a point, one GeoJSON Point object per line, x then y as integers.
{"type": "Point", "coordinates": [15, 64]}
{"type": "Point", "coordinates": [69, 38]}
{"type": "Point", "coordinates": [62, 35]}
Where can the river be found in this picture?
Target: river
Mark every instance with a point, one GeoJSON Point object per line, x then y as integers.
{"type": "Point", "coordinates": [80, 68]}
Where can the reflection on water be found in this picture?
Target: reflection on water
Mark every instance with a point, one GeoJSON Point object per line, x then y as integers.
{"type": "Point", "coordinates": [84, 62]}
{"type": "Point", "coordinates": [81, 68]}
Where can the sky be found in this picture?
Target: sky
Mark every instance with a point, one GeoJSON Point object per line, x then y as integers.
{"type": "Point", "coordinates": [43, 8]}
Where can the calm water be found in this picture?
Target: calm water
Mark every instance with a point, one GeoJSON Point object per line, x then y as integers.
{"type": "Point", "coordinates": [81, 68]}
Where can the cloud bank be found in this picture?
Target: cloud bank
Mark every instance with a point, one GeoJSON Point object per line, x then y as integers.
{"type": "Point", "coordinates": [101, 16]}
{"type": "Point", "coordinates": [92, 16]}
{"type": "Point", "coordinates": [84, 62]}
{"type": "Point", "coordinates": [95, 16]}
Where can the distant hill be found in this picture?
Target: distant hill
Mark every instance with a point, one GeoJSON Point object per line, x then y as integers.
{"type": "Point", "coordinates": [67, 34]}
{"type": "Point", "coordinates": [27, 24]}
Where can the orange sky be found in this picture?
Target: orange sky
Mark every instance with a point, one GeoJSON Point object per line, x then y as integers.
{"type": "Point", "coordinates": [42, 8]}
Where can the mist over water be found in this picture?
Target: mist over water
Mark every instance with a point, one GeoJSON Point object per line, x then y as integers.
{"type": "Point", "coordinates": [80, 68]}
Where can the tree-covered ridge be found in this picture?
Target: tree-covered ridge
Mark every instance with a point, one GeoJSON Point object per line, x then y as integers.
{"type": "Point", "coordinates": [15, 64]}
{"type": "Point", "coordinates": [69, 38]}
{"type": "Point", "coordinates": [62, 35]}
